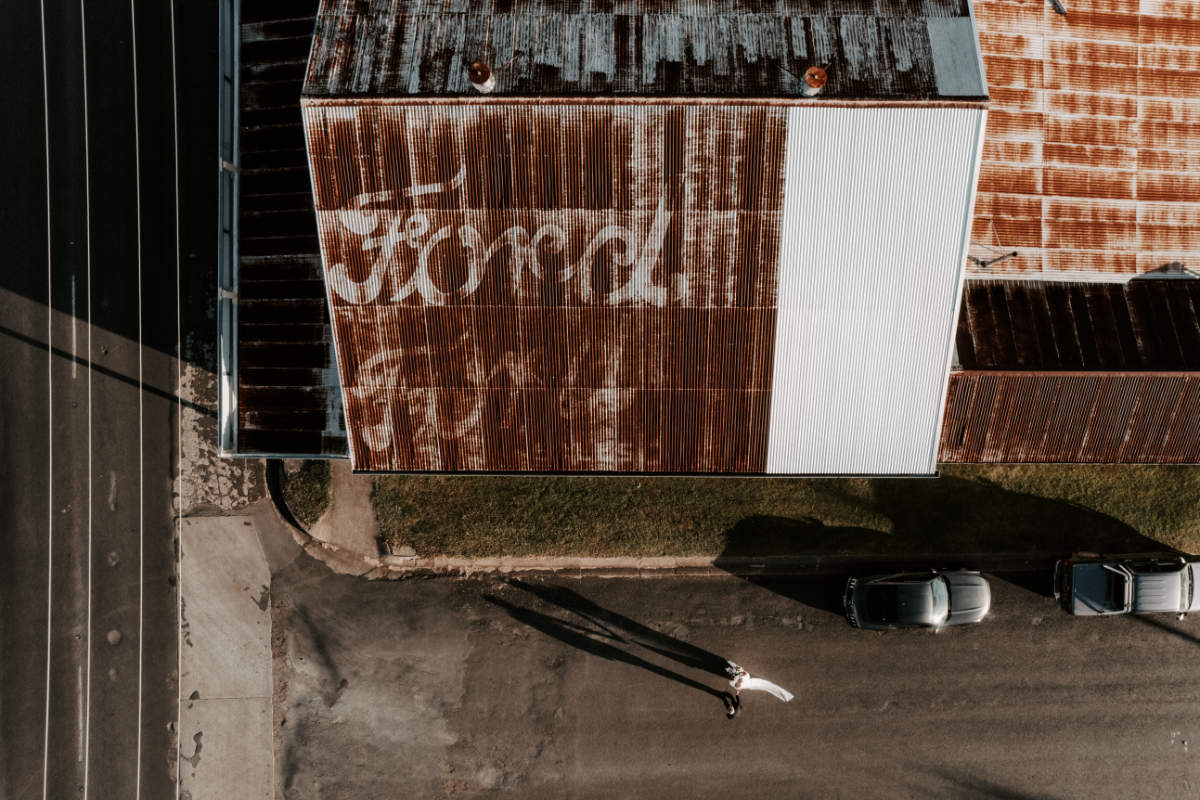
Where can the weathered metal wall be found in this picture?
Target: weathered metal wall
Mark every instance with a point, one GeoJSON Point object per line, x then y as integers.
{"type": "Point", "coordinates": [1092, 160]}
{"type": "Point", "coordinates": [1146, 418]}
{"type": "Point", "coordinates": [551, 287]}
{"type": "Point", "coordinates": [876, 48]}
{"type": "Point", "coordinates": [875, 221]}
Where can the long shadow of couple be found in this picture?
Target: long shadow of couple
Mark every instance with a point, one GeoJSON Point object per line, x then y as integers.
{"type": "Point", "coordinates": [604, 633]}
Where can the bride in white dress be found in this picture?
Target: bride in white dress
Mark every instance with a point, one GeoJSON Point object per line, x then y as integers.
{"type": "Point", "coordinates": [740, 679]}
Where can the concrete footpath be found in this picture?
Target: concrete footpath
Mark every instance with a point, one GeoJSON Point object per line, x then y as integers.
{"type": "Point", "coordinates": [225, 661]}
{"type": "Point", "coordinates": [350, 522]}
{"type": "Point", "coordinates": [226, 683]}
{"type": "Point", "coordinates": [225, 738]}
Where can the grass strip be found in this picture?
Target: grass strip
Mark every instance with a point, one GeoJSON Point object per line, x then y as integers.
{"type": "Point", "coordinates": [970, 509]}
{"type": "Point", "coordinates": [307, 491]}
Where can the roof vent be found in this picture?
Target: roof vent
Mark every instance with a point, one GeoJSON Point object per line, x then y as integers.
{"type": "Point", "coordinates": [814, 81]}
{"type": "Point", "coordinates": [1172, 269]}
{"type": "Point", "coordinates": [482, 77]}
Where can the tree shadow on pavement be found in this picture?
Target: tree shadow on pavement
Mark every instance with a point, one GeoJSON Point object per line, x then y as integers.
{"type": "Point", "coordinates": [606, 634]}
{"type": "Point", "coordinates": [944, 523]}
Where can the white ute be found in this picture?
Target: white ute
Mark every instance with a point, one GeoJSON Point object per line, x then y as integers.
{"type": "Point", "coordinates": [1103, 585]}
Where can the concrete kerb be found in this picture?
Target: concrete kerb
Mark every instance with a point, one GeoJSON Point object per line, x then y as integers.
{"type": "Point", "coordinates": [396, 568]}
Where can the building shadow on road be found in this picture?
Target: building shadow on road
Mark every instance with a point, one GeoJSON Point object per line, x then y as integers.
{"type": "Point", "coordinates": [579, 622]}
{"type": "Point", "coordinates": [1160, 622]}
{"type": "Point", "coordinates": [945, 523]}
{"type": "Point", "coordinates": [959, 784]}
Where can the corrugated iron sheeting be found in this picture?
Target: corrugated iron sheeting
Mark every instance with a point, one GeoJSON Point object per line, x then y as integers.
{"type": "Point", "coordinates": [1072, 418]}
{"type": "Point", "coordinates": [881, 48]}
{"type": "Point", "coordinates": [876, 215]}
{"type": "Point", "coordinates": [1092, 161]}
{"type": "Point", "coordinates": [1151, 324]}
{"type": "Point", "coordinates": [554, 287]}
{"type": "Point", "coordinates": [288, 398]}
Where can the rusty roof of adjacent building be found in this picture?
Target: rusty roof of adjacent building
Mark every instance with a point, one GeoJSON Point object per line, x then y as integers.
{"type": "Point", "coordinates": [1073, 417]}
{"type": "Point", "coordinates": [1070, 372]}
{"type": "Point", "coordinates": [1036, 326]}
{"type": "Point", "coordinates": [289, 399]}
{"type": "Point", "coordinates": [1091, 163]}
{"type": "Point", "coordinates": [648, 48]}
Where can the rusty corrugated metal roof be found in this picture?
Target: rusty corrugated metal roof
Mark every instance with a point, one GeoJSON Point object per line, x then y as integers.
{"type": "Point", "coordinates": [648, 48]}
{"type": "Point", "coordinates": [1140, 325]}
{"type": "Point", "coordinates": [1006, 417]}
{"type": "Point", "coordinates": [1092, 157]}
{"type": "Point", "coordinates": [1065, 372]}
{"type": "Point", "coordinates": [591, 310]}
{"type": "Point", "coordinates": [289, 400]}
{"type": "Point", "coordinates": [575, 267]}
{"type": "Point", "coordinates": [1173, 27]}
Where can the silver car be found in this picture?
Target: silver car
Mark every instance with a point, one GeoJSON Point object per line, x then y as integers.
{"type": "Point", "coordinates": [928, 599]}
{"type": "Point", "coordinates": [1100, 586]}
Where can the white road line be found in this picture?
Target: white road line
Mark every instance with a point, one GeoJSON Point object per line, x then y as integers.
{"type": "Point", "coordinates": [79, 724]}
{"type": "Point", "coordinates": [50, 415]}
{"type": "Point", "coordinates": [137, 172]}
{"type": "Point", "coordinates": [87, 184]}
{"type": "Point", "coordinates": [178, 395]}
{"type": "Point", "coordinates": [74, 323]}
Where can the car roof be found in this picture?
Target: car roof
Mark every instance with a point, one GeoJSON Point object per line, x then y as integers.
{"type": "Point", "coordinates": [903, 603]}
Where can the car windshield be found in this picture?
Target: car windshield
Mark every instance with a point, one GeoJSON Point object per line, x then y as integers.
{"type": "Point", "coordinates": [1114, 588]}
{"type": "Point", "coordinates": [941, 600]}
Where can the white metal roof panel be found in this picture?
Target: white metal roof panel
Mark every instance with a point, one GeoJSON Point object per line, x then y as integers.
{"type": "Point", "coordinates": [877, 209]}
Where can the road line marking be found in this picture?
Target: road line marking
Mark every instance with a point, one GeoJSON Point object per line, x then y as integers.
{"type": "Point", "coordinates": [80, 756]}
{"type": "Point", "coordinates": [87, 178]}
{"type": "Point", "coordinates": [50, 416]}
{"type": "Point", "coordinates": [74, 321]}
{"type": "Point", "coordinates": [178, 401]}
{"type": "Point", "coordinates": [137, 172]}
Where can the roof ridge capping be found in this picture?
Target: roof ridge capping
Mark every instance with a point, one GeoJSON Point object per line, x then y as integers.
{"type": "Point", "coordinates": [871, 50]}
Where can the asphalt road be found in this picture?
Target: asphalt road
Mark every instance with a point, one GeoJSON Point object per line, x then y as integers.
{"type": "Point", "coordinates": [88, 415]}
{"type": "Point", "coordinates": [604, 688]}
